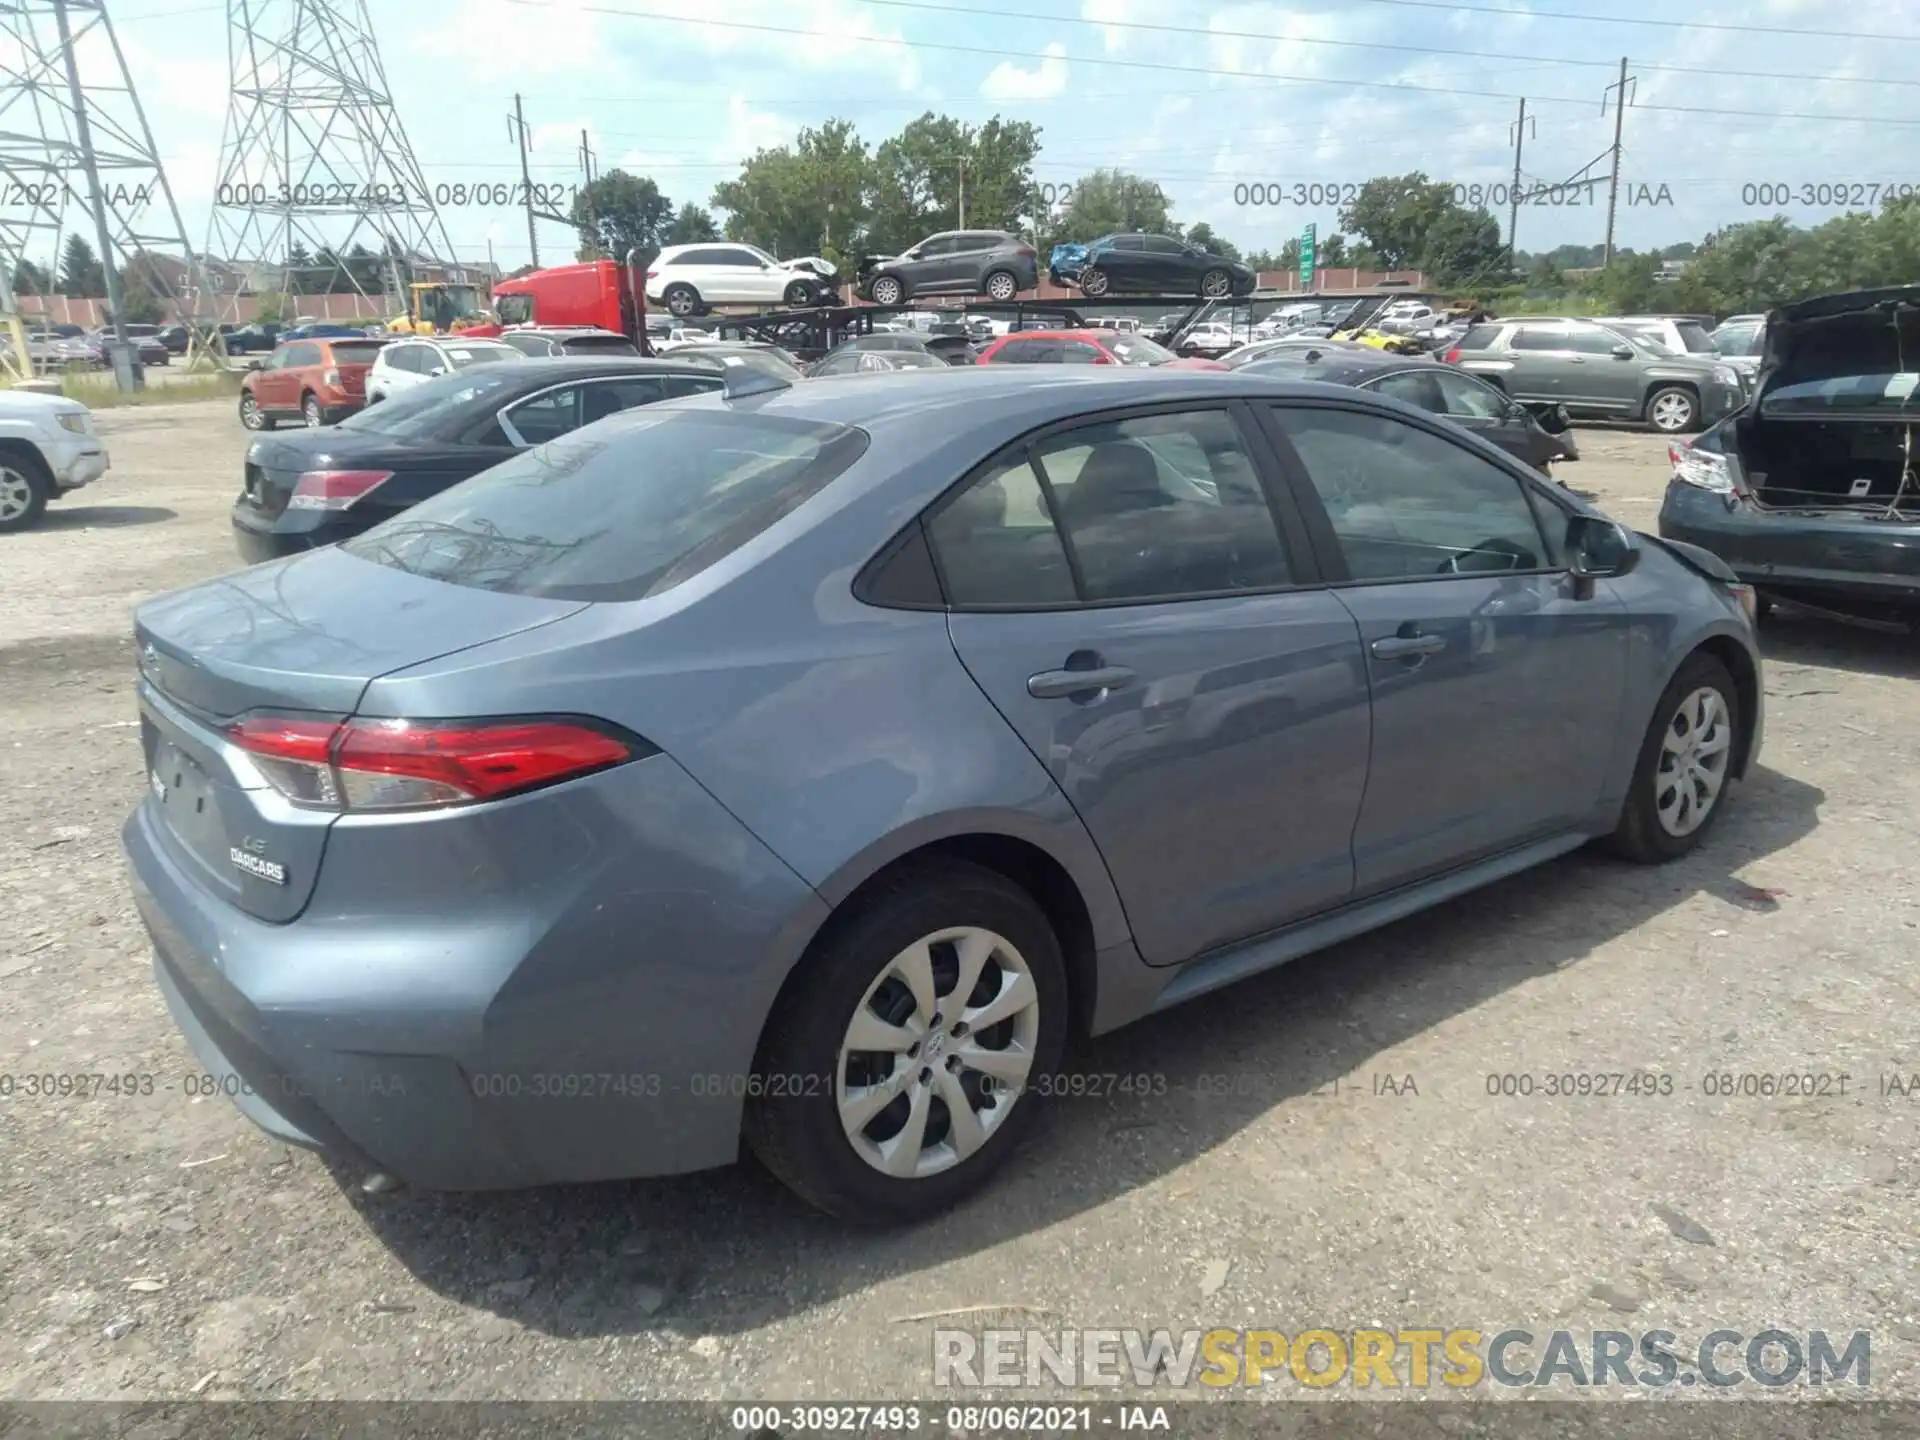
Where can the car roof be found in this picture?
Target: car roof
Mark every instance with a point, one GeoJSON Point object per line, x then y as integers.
{"type": "Point", "coordinates": [994, 404]}
{"type": "Point", "coordinates": [1089, 335]}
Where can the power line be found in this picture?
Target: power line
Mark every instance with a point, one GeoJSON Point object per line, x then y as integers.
{"type": "Point", "coordinates": [1001, 53]}
{"type": "Point", "coordinates": [1591, 19]}
{"type": "Point", "coordinates": [1197, 30]}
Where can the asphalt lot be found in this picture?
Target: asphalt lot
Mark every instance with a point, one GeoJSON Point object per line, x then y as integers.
{"type": "Point", "coordinates": [1272, 1184]}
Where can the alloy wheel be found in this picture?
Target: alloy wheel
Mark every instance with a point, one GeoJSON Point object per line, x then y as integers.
{"type": "Point", "coordinates": [937, 1052]}
{"type": "Point", "coordinates": [1694, 753]}
{"type": "Point", "coordinates": [310, 410]}
{"type": "Point", "coordinates": [250, 412]}
{"type": "Point", "coordinates": [1094, 282]}
{"type": "Point", "coordinates": [1672, 411]}
{"type": "Point", "coordinates": [886, 292]}
{"type": "Point", "coordinates": [1215, 284]}
{"type": "Point", "coordinates": [1001, 286]}
{"type": "Point", "coordinates": [16, 495]}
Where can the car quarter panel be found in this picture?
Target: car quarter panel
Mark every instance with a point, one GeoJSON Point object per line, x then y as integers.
{"type": "Point", "coordinates": [504, 1028]}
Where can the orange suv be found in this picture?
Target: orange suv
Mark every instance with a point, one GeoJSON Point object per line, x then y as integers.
{"type": "Point", "coordinates": [313, 381]}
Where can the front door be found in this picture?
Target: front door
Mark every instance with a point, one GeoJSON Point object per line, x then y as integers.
{"type": "Point", "coordinates": [1208, 723]}
{"type": "Point", "coordinates": [1497, 689]}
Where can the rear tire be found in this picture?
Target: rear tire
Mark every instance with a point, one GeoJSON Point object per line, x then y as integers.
{"type": "Point", "coordinates": [25, 488]}
{"type": "Point", "coordinates": [807, 1071]}
{"type": "Point", "coordinates": [682, 300]}
{"type": "Point", "coordinates": [1669, 809]}
{"type": "Point", "coordinates": [1001, 285]}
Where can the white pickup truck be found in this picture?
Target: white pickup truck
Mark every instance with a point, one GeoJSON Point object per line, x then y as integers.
{"type": "Point", "coordinates": [48, 446]}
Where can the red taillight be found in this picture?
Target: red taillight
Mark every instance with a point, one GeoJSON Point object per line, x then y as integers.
{"type": "Point", "coordinates": [653, 274]}
{"type": "Point", "coordinates": [408, 764]}
{"type": "Point", "coordinates": [1027, 252]}
{"type": "Point", "coordinates": [1452, 357]}
{"type": "Point", "coordinates": [335, 489]}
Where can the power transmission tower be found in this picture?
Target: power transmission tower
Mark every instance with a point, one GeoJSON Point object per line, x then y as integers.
{"type": "Point", "coordinates": [314, 156]}
{"type": "Point", "coordinates": [1621, 101]}
{"type": "Point", "coordinates": [78, 157]}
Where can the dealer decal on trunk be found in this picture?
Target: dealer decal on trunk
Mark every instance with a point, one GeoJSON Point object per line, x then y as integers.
{"type": "Point", "coordinates": [271, 871]}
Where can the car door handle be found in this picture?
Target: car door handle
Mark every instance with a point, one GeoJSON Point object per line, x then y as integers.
{"type": "Point", "coordinates": [1058, 684]}
{"type": "Point", "coordinates": [1407, 647]}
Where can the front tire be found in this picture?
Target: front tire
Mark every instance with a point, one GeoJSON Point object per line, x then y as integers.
{"type": "Point", "coordinates": [1094, 282]}
{"type": "Point", "coordinates": [888, 1094]}
{"type": "Point", "coordinates": [1672, 410]}
{"type": "Point", "coordinates": [888, 290]}
{"type": "Point", "coordinates": [25, 488]}
{"type": "Point", "coordinates": [799, 295]}
{"type": "Point", "coordinates": [1680, 780]}
{"type": "Point", "coordinates": [1216, 285]}
{"type": "Point", "coordinates": [311, 412]}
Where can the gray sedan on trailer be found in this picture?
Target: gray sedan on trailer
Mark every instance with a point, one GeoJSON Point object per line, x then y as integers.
{"type": "Point", "coordinates": [801, 767]}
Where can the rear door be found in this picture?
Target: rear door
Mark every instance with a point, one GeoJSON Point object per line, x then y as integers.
{"type": "Point", "coordinates": [1165, 652]}
{"type": "Point", "coordinates": [1542, 363]}
{"type": "Point", "coordinates": [1167, 265]}
{"type": "Point", "coordinates": [1496, 689]}
{"type": "Point", "coordinates": [1125, 261]}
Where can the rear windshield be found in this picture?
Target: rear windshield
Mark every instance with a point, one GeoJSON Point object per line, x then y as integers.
{"type": "Point", "coordinates": [616, 512]}
{"type": "Point", "coordinates": [1138, 350]}
{"type": "Point", "coordinates": [1695, 337]}
{"type": "Point", "coordinates": [420, 410]}
{"type": "Point", "coordinates": [1884, 395]}
{"type": "Point", "coordinates": [357, 352]}
{"type": "Point", "coordinates": [465, 355]}
{"type": "Point", "coordinates": [1477, 337]}
{"type": "Point", "coordinates": [599, 345]}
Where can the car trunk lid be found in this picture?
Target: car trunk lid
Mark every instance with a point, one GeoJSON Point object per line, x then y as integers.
{"type": "Point", "coordinates": [297, 637]}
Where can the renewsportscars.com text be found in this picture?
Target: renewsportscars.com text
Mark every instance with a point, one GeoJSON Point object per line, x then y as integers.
{"type": "Point", "coordinates": [1411, 1358]}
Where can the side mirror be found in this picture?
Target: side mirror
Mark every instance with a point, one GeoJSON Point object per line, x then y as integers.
{"type": "Point", "coordinates": [1622, 352]}
{"type": "Point", "coordinates": [256, 364]}
{"type": "Point", "coordinates": [1600, 549]}
{"type": "Point", "coordinates": [436, 370]}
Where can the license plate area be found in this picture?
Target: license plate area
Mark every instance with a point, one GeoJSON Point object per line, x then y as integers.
{"type": "Point", "coordinates": [190, 805]}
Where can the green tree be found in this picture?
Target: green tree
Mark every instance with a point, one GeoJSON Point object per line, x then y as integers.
{"type": "Point", "coordinates": [1393, 214]}
{"type": "Point", "coordinates": [1112, 200]}
{"type": "Point", "coordinates": [922, 176]}
{"type": "Point", "coordinates": [1629, 286]}
{"type": "Point", "coordinates": [1463, 247]}
{"type": "Point", "coordinates": [619, 212]}
{"type": "Point", "coordinates": [810, 198]}
{"type": "Point", "coordinates": [30, 279]}
{"type": "Point", "coordinates": [138, 304]}
{"type": "Point", "coordinates": [81, 274]}
{"type": "Point", "coordinates": [1202, 235]}
{"type": "Point", "coordinates": [691, 226]}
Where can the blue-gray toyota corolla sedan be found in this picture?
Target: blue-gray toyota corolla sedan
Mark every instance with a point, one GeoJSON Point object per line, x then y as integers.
{"type": "Point", "coordinates": [801, 767]}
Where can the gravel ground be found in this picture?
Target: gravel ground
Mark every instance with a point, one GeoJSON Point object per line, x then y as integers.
{"type": "Point", "coordinates": [157, 1247]}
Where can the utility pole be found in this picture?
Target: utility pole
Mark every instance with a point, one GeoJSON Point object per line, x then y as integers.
{"type": "Point", "coordinates": [517, 126]}
{"type": "Point", "coordinates": [96, 201]}
{"type": "Point", "coordinates": [1513, 195]}
{"type": "Point", "coordinates": [586, 169]}
{"type": "Point", "coordinates": [1619, 115]}
{"type": "Point", "coordinates": [963, 196]}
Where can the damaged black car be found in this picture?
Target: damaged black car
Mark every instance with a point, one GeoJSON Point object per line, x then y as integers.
{"type": "Point", "coordinates": [1810, 492]}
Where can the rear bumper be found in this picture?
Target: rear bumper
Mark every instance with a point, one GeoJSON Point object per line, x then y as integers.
{"type": "Point", "coordinates": [260, 538]}
{"type": "Point", "coordinates": [1790, 554]}
{"type": "Point", "coordinates": [501, 1005]}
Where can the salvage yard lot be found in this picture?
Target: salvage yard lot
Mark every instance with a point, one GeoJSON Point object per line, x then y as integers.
{"type": "Point", "coordinates": [1261, 1170]}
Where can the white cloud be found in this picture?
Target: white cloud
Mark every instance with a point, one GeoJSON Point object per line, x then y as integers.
{"type": "Point", "coordinates": [556, 37]}
{"type": "Point", "coordinates": [1109, 15]}
{"type": "Point", "coordinates": [1008, 81]}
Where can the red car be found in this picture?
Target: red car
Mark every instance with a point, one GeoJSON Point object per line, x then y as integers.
{"type": "Point", "coordinates": [314, 382]}
{"type": "Point", "coordinates": [1085, 347]}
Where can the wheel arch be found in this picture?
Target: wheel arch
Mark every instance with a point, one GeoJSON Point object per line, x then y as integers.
{"type": "Point", "coordinates": [1739, 662]}
{"type": "Point", "coordinates": [1081, 921]}
{"type": "Point", "coordinates": [1654, 387]}
{"type": "Point", "coordinates": [25, 452]}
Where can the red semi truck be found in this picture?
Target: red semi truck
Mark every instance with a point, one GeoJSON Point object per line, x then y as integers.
{"type": "Point", "coordinates": [604, 294]}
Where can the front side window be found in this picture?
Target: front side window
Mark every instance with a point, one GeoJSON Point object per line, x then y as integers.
{"type": "Point", "coordinates": [1592, 340]}
{"type": "Point", "coordinates": [1080, 352]}
{"type": "Point", "coordinates": [462, 357]}
{"type": "Point", "coordinates": [514, 309]}
{"type": "Point", "coordinates": [1737, 340]}
{"type": "Point", "coordinates": [1407, 505]}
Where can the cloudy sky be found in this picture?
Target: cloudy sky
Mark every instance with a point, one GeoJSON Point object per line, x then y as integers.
{"type": "Point", "coordinates": [1229, 107]}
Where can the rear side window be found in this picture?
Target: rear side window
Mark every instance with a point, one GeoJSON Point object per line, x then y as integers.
{"type": "Point", "coordinates": [463, 356]}
{"type": "Point", "coordinates": [620, 512]}
{"type": "Point", "coordinates": [1533, 337]}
